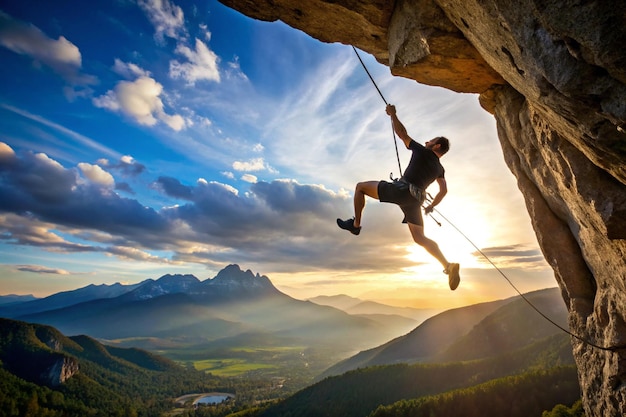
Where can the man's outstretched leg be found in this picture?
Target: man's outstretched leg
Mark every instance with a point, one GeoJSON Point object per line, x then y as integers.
{"type": "Point", "coordinates": [451, 269]}
{"type": "Point", "coordinates": [362, 189]}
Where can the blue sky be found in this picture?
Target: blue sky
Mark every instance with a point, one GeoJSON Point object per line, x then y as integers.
{"type": "Point", "coordinates": [144, 137]}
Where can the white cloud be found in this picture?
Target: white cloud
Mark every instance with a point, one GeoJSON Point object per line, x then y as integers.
{"type": "Point", "coordinates": [167, 18]}
{"type": "Point", "coordinates": [129, 70]}
{"type": "Point", "coordinates": [249, 178]}
{"type": "Point", "coordinates": [256, 164]}
{"type": "Point", "coordinates": [234, 70]}
{"type": "Point", "coordinates": [201, 64]}
{"type": "Point", "coordinates": [26, 39]}
{"type": "Point", "coordinates": [6, 152]}
{"type": "Point", "coordinates": [127, 159]}
{"type": "Point", "coordinates": [205, 31]}
{"type": "Point", "coordinates": [96, 174]}
{"type": "Point", "coordinates": [61, 55]}
{"type": "Point", "coordinates": [134, 254]}
{"type": "Point", "coordinates": [140, 99]}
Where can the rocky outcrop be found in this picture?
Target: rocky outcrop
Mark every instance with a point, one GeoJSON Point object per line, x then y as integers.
{"type": "Point", "coordinates": [62, 369]}
{"type": "Point", "coordinates": [553, 74]}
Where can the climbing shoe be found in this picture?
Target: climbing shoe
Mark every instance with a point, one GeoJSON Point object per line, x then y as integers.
{"type": "Point", "coordinates": [349, 225]}
{"type": "Point", "coordinates": [453, 275]}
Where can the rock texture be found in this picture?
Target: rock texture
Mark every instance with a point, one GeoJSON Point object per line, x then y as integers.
{"type": "Point", "coordinates": [553, 74]}
{"type": "Point", "coordinates": [62, 369]}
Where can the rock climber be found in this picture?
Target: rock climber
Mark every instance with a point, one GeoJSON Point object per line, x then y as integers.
{"type": "Point", "coordinates": [409, 192]}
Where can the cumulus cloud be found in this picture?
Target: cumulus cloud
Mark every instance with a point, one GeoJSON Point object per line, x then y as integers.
{"type": "Point", "coordinates": [141, 100]}
{"type": "Point", "coordinates": [201, 64]}
{"type": "Point", "coordinates": [127, 165]}
{"type": "Point", "coordinates": [61, 55]}
{"type": "Point", "coordinates": [7, 154]}
{"type": "Point", "coordinates": [134, 254]}
{"type": "Point", "coordinates": [129, 70]}
{"type": "Point", "coordinates": [167, 18]}
{"type": "Point", "coordinates": [173, 188]}
{"type": "Point", "coordinates": [29, 231]}
{"type": "Point", "coordinates": [249, 178]}
{"type": "Point", "coordinates": [282, 220]}
{"type": "Point", "coordinates": [38, 185]}
{"type": "Point", "coordinates": [256, 164]}
{"type": "Point", "coordinates": [96, 174]}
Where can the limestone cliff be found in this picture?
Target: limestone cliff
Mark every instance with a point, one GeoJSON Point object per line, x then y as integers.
{"type": "Point", "coordinates": [553, 74]}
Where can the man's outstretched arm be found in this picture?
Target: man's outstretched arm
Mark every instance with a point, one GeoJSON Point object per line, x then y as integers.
{"type": "Point", "coordinates": [398, 127]}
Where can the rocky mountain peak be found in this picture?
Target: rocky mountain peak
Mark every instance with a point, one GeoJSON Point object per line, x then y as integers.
{"type": "Point", "coordinates": [167, 284]}
{"type": "Point", "coordinates": [233, 278]}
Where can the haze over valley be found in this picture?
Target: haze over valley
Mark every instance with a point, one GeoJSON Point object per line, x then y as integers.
{"type": "Point", "coordinates": [238, 327]}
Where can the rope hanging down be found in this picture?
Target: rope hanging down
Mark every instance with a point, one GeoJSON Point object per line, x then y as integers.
{"type": "Point", "coordinates": [580, 338]}
{"type": "Point", "coordinates": [395, 141]}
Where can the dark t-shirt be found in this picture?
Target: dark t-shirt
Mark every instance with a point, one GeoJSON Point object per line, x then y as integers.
{"type": "Point", "coordinates": [424, 167]}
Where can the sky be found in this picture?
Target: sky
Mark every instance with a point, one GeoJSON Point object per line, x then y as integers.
{"type": "Point", "coordinates": [147, 137]}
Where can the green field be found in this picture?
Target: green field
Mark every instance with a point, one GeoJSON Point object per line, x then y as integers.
{"type": "Point", "coordinates": [256, 356]}
{"type": "Point", "coordinates": [230, 367]}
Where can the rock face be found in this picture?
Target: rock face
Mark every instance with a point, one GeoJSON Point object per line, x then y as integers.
{"type": "Point", "coordinates": [62, 369]}
{"type": "Point", "coordinates": [553, 74]}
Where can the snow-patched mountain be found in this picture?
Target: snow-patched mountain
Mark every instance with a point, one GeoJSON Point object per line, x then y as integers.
{"type": "Point", "coordinates": [235, 302]}
{"type": "Point", "coordinates": [230, 283]}
{"type": "Point", "coordinates": [167, 284]}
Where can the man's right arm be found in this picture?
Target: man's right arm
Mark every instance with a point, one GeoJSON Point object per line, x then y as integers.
{"type": "Point", "coordinates": [398, 127]}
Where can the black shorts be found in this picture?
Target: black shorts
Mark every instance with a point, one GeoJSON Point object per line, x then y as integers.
{"type": "Point", "coordinates": [398, 192]}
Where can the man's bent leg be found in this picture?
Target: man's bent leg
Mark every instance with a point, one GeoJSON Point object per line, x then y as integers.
{"type": "Point", "coordinates": [366, 188]}
{"type": "Point", "coordinates": [452, 269]}
{"type": "Point", "coordinates": [430, 245]}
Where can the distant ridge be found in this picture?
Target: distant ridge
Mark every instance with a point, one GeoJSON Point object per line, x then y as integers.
{"type": "Point", "coordinates": [467, 333]}
{"type": "Point", "coordinates": [67, 298]}
{"type": "Point", "coordinates": [354, 305]}
{"type": "Point", "coordinates": [14, 298]}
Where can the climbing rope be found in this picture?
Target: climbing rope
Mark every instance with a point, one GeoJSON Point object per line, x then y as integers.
{"type": "Point", "coordinates": [393, 132]}
{"type": "Point", "coordinates": [580, 338]}
{"type": "Point", "coordinates": [586, 341]}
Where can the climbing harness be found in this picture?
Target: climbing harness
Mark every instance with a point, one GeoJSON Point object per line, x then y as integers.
{"type": "Point", "coordinates": [429, 199]}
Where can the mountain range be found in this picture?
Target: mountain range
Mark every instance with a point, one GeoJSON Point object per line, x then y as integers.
{"type": "Point", "coordinates": [240, 308]}
{"type": "Point", "coordinates": [238, 311]}
{"type": "Point", "coordinates": [356, 306]}
{"type": "Point", "coordinates": [184, 308]}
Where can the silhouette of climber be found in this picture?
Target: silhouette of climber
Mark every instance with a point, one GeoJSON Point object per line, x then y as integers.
{"type": "Point", "coordinates": [409, 193]}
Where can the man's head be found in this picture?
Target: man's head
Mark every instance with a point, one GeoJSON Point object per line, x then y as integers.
{"type": "Point", "coordinates": [439, 145]}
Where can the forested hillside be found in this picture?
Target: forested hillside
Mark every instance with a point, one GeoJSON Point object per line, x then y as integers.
{"type": "Point", "coordinates": [529, 394]}
{"type": "Point", "coordinates": [106, 381]}
{"type": "Point", "coordinates": [358, 393]}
